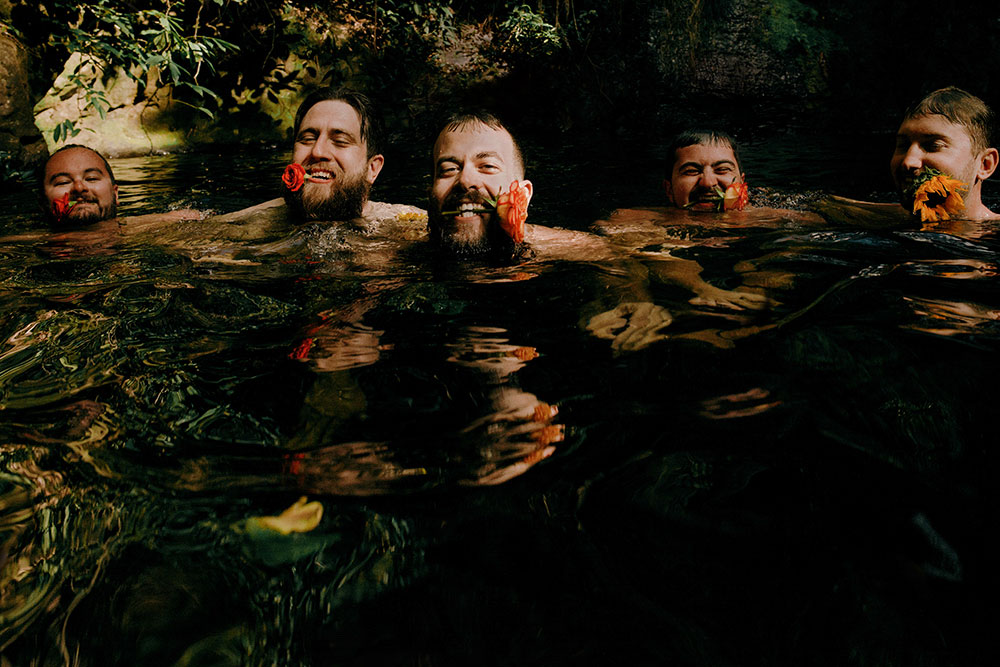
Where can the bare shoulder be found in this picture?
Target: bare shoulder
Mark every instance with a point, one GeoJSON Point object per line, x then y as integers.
{"type": "Point", "coordinates": [250, 224]}
{"type": "Point", "coordinates": [139, 223]}
{"type": "Point", "coordinates": [624, 220]}
{"type": "Point", "coordinates": [380, 211]}
{"type": "Point", "coordinates": [250, 212]}
{"type": "Point", "coordinates": [399, 221]}
{"type": "Point", "coordinates": [558, 243]}
{"type": "Point", "coordinates": [777, 217]}
{"type": "Point", "coordinates": [841, 210]}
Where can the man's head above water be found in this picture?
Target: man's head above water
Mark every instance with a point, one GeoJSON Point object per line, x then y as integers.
{"type": "Point", "coordinates": [952, 131]}
{"type": "Point", "coordinates": [700, 161]}
{"type": "Point", "coordinates": [86, 177]}
{"type": "Point", "coordinates": [338, 137]}
{"type": "Point", "coordinates": [474, 157]}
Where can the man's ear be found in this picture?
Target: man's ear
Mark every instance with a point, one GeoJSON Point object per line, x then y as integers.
{"type": "Point", "coordinates": [115, 191]}
{"type": "Point", "coordinates": [374, 167]}
{"type": "Point", "coordinates": [528, 188]}
{"type": "Point", "coordinates": [988, 160]}
{"type": "Point", "coordinates": [668, 190]}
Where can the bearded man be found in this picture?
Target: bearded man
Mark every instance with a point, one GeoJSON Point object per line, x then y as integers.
{"type": "Point", "coordinates": [479, 198]}
{"type": "Point", "coordinates": [78, 187]}
{"type": "Point", "coordinates": [337, 143]}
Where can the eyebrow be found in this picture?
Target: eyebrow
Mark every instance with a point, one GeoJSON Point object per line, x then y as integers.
{"type": "Point", "coordinates": [317, 132]}
{"type": "Point", "coordinates": [922, 135]}
{"type": "Point", "coordinates": [88, 170]}
{"type": "Point", "coordinates": [717, 163]}
{"type": "Point", "coordinates": [478, 156]}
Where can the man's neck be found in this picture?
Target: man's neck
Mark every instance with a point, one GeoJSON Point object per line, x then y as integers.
{"type": "Point", "coordinates": [975, 209]}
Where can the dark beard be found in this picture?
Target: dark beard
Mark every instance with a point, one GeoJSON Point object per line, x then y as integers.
{"type": "Point", "coordinates": [90, 217]}
{"type": "Point", "coordinates": [345, 202]}
{"type": "Point", "coordinates": [494, 247]}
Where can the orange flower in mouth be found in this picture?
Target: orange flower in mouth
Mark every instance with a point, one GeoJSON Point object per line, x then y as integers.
{"type": "Point", "coordinates": [61, 208]}
{"type": "Point", "coordinates": [512, 207]}
{"type": "Point", "coordinates": [736, 197]}
{"type": "Point", "coordinates": [936, 195]}
{"type": "Point", "coordinates": [733, 198]}
{"type": "Point", "coordinates": [294, 176]}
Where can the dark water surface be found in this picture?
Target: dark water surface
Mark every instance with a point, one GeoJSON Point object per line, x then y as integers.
{"type": "Point", "coordinates": [803, 485]}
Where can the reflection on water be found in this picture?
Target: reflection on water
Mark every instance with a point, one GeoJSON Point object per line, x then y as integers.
{"type": "Point", "coordinates": [537, 464]}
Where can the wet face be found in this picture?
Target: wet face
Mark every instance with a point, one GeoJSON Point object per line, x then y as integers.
{"type": "Point", "coordinates": [472, 163]}
{"type": "Point", "coordinates": [934, 141]}
{"type": "Point", "coordinates": [339, 174]}
{"type": "Point", "coordinates": [697, 169]}
{"type": "Point", "coordinates": [80, 172]}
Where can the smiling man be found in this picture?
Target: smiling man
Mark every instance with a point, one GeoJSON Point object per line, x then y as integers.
{"type": "Point", "coordinates": [702, 161]}
{"type": "Point", "coordinates": [337, 142]}
{"type": "Point", "coordinates": [475, 160]}
{"type": "Point", "coordinates": [337, 150]}
{"type": "Point", "coordinates": [950, 131]}
{"type": "Point", "coordinates": [78, 187]}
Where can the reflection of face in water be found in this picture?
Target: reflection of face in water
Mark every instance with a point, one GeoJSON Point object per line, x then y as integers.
{"type": "Point", "coordinates": [82, 174]}
{"type": "Point", "coordinates": [484, 429]}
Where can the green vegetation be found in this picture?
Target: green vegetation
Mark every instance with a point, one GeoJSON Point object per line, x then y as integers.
{"type": "Point", "coordinates": [243, 65]}
{"type": "Point", "coordinates": [159, 43]}
{"type": "Point", "coordinates": [214, 55]}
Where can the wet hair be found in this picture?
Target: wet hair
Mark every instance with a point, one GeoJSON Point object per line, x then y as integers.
{"type": "Point", "coordinates": [961, 108]}
{"type": "Point", "coordinates": [463, 119]}
{"type": "Point", "coordinates": [701, 137]}
{"type": "Point", "coordinates": [41, 169]}
{"type": "Point", "coordinates": [370, 120]}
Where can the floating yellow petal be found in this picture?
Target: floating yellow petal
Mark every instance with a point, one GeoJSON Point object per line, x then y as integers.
{"type": "Point", "coordinates": [299, 518]}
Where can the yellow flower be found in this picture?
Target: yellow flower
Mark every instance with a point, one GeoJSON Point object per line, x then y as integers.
{"type": "Point", "coordinates": [299, 518]}
{"type": "Point", "coordinates": [410, 216]}
{"type": "Point", "coordinates": [938, 198]}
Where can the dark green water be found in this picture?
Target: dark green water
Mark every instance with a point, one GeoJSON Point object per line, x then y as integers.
{"type": "Point", "coordinates": [808, 487]}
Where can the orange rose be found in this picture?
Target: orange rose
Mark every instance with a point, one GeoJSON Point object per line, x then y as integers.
{"type": "Point", "coordinates": [294, 176]}
{"type": "Point", "coordinates": [512, 209]}
{"type": "Point", "coordinates": [737, 196]}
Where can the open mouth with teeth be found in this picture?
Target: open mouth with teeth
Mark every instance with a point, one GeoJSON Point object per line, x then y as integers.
{"type": "Point", "coordinates": [468, 210]}
{"type": "Point", "coordinates": [319, 176]}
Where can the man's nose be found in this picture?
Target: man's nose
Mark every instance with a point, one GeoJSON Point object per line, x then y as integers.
{"type": "Point", "coordinates": [322, 149]}
{"type": "Point", "coordinates": [708, 179]}
{"type": "Point", "coordinates": [80, 186]}
{"type": "Point", "coordinates": [470, 178]}
{"type": "Point", "coordinates": [913, 158]}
